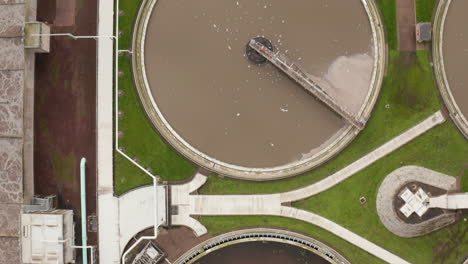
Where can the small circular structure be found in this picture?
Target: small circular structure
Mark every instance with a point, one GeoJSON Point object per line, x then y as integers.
{"type": "Point", "coordinates": [388, 201]}
{"type": "Point", "coordinates": [253, 55]}
{"type": "Point", "coordinates": [450, 59]}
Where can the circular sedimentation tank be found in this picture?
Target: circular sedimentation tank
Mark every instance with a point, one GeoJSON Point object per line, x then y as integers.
{"type": "Point", "coordinates": [199, 87]}
{"type": "Point", "coordinates": [451, 58]}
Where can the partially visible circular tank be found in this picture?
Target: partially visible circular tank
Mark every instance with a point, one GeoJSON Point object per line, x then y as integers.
{"type": "Point", "coordinates": [450, 49]}
{"type": "Point", "coordinates": [262, 245]}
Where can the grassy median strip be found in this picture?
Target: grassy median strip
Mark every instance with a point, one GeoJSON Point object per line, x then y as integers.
{"type": "Point", "coordinates": [128, 11]}
{"type": "Point", "coordinates": [424, 10]}
{"type": "Point", "coordinates": [141, 142]}
{"type": "Point", "coordinates": [138, 138]}
{"type": "Point", "coordinates": [388, 11]}
{"type": "Point", "coordinates": [128, 176]}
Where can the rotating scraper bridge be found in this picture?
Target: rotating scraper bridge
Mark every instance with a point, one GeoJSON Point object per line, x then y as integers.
{"type": "Point", "coordinates": [285, 64]}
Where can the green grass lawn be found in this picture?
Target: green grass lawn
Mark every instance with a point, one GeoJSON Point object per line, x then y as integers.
{"type": "Point", "coordinates": [128, 176]}
{"type": "Point", "coordinates": [424, 10]}
{"type": "Point", "coordinates": [129, 11]}
{"type": "Point", "coordinates": [388, 11]}
{"type": "Point", "coordinates": [141, 141]}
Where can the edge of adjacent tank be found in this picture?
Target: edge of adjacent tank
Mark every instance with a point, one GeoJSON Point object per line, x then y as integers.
{"type": "Point", "coordinates": [439, 68]}
{"type": "Point", "coordinates": [262, 234]}
{"type": "Point", "coordinates": [245, 173]}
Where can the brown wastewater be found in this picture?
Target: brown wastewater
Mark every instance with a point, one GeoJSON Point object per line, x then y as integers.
{"type": "Point", "coordinates": [262, 253]}
{"type": "Point", "coordinates": [456, 52]}
{"type": "Point", "coordinates": [245, 114]}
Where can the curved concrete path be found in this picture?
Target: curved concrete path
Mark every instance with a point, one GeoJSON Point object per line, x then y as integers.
{"type": "Point", "coordinates": [365, 161]}
{"type": "Point", "coordinates": [264, 205]}
{"type": "Point", "coordinates": [272, 204]}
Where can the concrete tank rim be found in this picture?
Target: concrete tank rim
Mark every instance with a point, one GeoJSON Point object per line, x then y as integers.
{"type": "Point", "coordinates": [455, 113]}
{"type": "Point", "coordinates": [346, 136]}
{"type": "Point", "coordinates": [278, 231]}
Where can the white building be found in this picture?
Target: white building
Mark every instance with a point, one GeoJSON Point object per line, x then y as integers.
{"type": "Point", "coordinates": [48, 237]}
{"type": "Point", "coordinates": [414, 202]}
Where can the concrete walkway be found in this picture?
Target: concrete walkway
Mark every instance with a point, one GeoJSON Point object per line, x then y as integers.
{"type": "Point", "coordinates": [365, 161]}
{"type": "Point", "coordinates": [264, 205]}
{"type": "Point", "coordinates": [450, 201]}
{"type": "Point", "coordinates": [137, 211]}
{"type": "Point", "coordinates": [271, 204]}
{"type": "Point", "coordinates": [406, 19]}
{"type": "Point", "coordinates": [108, 206]}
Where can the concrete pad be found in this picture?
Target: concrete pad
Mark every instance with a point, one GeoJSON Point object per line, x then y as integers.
{"type": "Point", "coordinates": [138, 209]}
{"type": "Point", "coordinates": [109, 252]}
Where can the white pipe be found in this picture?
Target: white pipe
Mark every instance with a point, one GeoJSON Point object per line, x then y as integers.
{"type": "Point", "coordinates": [84, 234]}
{"type": "Point", "coordinates": [90, 248]}
{"type": "Point", "coordinates": [72, 36]}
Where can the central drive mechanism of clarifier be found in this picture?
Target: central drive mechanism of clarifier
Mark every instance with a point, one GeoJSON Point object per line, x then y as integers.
{"type": "Point", "coordinates": [253, 55]}
{"type": "Point", "coordinates": [259, 53]}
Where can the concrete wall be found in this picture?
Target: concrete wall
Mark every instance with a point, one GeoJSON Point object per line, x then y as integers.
{"type": "Point", "coordinates": [16, 123]}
